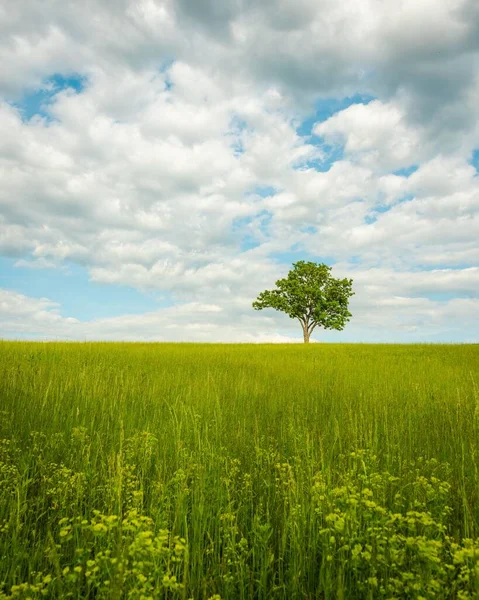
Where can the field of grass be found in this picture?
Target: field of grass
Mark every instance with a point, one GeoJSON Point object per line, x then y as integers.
{"type": "Point", "coordinates": [233, 472]}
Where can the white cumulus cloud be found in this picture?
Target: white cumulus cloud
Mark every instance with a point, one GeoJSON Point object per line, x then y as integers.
{"type": "Point", "coordinates": [183, 163]}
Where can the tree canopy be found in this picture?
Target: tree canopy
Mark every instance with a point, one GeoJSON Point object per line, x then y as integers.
{"type": "Point", "coordinates": [312, 296]}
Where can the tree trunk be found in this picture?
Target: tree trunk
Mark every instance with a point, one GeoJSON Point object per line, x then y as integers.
{"type": "Point", "coordinates": [306, 335]}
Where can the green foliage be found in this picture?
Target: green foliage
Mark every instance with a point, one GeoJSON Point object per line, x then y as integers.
{"type": "Point", "coordinates": [108, 557]}
{"type": "Point", "coordinates": [388, 549]}
{"type": "Point", "coordinates": [215, 472]}
{"type": "Point", "coordinates": [310, 295]}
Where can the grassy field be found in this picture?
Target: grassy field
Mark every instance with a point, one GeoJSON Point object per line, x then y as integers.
{"type": "Point", "coordinates": [239, 471]}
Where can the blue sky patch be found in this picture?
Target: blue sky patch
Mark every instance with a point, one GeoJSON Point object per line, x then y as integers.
{"type": "Point", "coordinates": [265, 191]}
{"type": "Point", "coordinates": [309, 229]}
{"type": "Point", "coordinates": [35, 102]}
{"type": "Point", "coordinates": [78, 297]}
{"type": "Point", "coordinates": [355, 259]}
{"type": "Point", "coordinates": [237, 126]}
{"type": "Point", "coordinates": [249, 242]}
{"type": "Point", "coordinates": [406, 171]}
{"type": "Point", "coordinates": [475, 159]}
{"type": "Point", "coordinates": [240, 222]}
{"type": "Point", "coordinates": [327, 107]}
{"type": "Point", "coordinates": [324, 109]}
{"type": "Point", "coordinates": [165, 67]}
{"type": "Point", "coordinates": [372, 217]}
{"type": "Point", "coordinates": [265, 217]}
{"type": "Point", "coordinates": [240, 228]}
{"type": "Point", "coordinates": [331, 155]}
{"type": "Point", "coordinates": [440, 266]}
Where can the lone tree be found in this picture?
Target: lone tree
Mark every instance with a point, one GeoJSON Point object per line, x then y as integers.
{"type": "Point", "coordinates": [312, 296]}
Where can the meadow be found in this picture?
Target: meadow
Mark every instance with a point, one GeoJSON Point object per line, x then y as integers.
{"type": "Point", "coordinates": [239, 472]}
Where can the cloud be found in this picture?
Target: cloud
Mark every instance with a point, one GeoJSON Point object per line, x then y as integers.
{"type": "Point", "coordinates": [375, 134]}
{"type": "Point", "coordinates": [379, 314]}
{"type": "Point", "coordinates": [153, 174]}
{"type": "Point", "coordinates": [39, 318]}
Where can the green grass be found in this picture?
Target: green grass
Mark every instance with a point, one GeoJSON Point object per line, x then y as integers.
{"type": "Point", "coordinates": [239, 471]}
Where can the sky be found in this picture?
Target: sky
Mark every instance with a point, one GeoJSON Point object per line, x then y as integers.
{"type": "Point", "coordinates": [162, 162]}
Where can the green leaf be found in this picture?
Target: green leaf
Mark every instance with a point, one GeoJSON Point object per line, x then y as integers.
{"type": "Point", "coordinates": [310, 294]}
